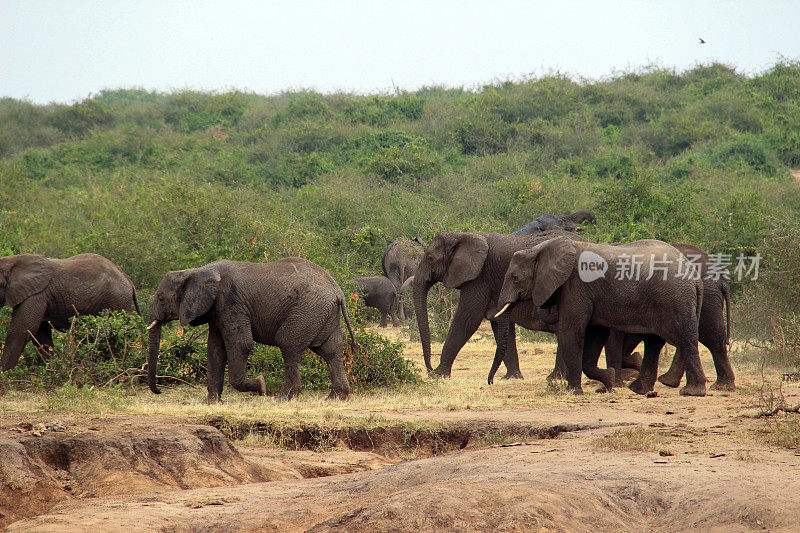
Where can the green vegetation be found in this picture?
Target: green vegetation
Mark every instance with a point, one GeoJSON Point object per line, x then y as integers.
{"type": "Point", "coordinates": [165, 181]}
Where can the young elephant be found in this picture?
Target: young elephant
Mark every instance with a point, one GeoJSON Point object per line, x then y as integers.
{"type": "Point", "coordinates": [378, 292]}
{"type": "Point", "coordinates": [47, 293]}
{"type": "Point", "coordinates": [650, 298]}
{"type": "Point", "coordinates": [291, 303]}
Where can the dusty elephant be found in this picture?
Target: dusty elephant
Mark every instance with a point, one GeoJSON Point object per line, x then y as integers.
{"type": "Point", "coordinates": [549, 222]}
{"type": "Point", "coordinates": [378, 292]}
{"type": "Point", "coordinates": [399, 262]}
{"type": "Point", "coordinates": [46, 293]}
{"type": "Point", "coordinates": [291, 303]}
{"type": "Point", "coordinates": [713, 328]}
{"type": "Point", "coordinates": [475, 264]}
{"type": "Point", "coordinates": [661, 308]}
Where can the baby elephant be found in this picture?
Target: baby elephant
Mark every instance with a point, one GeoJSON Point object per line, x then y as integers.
{"type": "Point", "coordinates": [291, 303]}
{"type": "Point", "coordinates": [47, 293]}
{"type": "Point", "coordinates": [379, 292]}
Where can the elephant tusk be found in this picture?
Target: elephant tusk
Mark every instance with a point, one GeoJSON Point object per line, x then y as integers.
{"type": "Point", "coordinates": [503, 310]}
{"type": "Point", "coordinates": [152, 325]}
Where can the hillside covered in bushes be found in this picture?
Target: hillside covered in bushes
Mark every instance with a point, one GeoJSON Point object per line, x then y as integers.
{"type": "Point", "coordinates": [162, 181]}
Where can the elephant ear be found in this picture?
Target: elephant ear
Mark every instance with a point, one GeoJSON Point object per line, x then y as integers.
{"type": "Point", "coordinates": [466, 263]}
{"type": "Point", "coordinates": [29, 275]}
{"type": "Point", "coordinates": [199, 293]}
{"type": "Point", "coordinates": [555, 261]}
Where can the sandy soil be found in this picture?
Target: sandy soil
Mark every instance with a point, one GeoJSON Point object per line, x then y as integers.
{"type": "Point", "coordinates": [539, 461]}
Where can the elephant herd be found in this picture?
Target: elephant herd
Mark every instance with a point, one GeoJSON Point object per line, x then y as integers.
{"type": "Point", "coordinates": [534, 278]}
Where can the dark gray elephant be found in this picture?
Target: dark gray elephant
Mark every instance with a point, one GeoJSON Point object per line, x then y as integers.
{"type": "Point", "coordinates": [656, 302]}
{"type": "Point", "coordinates": [378, 292]}
{"type": "Point", "coordinates": [291, 303]}
{"type": "Point", "coordinates": [549, 222]}
{"type": "Point", "coordinates": [47, 293]}
{"type": "Point", "coordinates": [475, 264]}
{"type": "Point", "coordinates": [713, 332]}
{"type": "Point", "coordinates": [400, 261]}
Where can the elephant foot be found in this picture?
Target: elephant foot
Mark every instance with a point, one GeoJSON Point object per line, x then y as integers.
{"type": "Point", "coordinates": [439, 372]}
{"type": "Point", "coordinates": [515, 374]}
{"type": "Point", "coordinates": [337, 395]}
{"type": "Point", "coordinates": [556, 375]}
{"type": "Point", "coordinates": [289, 393]}
{"type": "Point", "coordinates": [689, 389]}
{"type": "Point", "coordinates": [632, 360]}
{"type": "Point", "coordinates": [261, 383]}
{"type": "Point", "coordinates": [723, 386]}
{"type": "Point", "coordinates": [607, 379]}
{"type": "Point", "coordinates": [625, 375]}
{"type": "Point", "coordinates": [670, 378]}
{"type": "Point", "coordinates": [638, 386]}
{"type": "Point", "coordinates": [575, 389]}
{"type": "Point", "coordinates": [212, 399]}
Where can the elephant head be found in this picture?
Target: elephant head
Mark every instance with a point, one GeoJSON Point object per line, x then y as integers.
{"type": "Point", "coordinates": [537, 273]}
{"type": "Point", "coordinates": [22, 276]}
{"type": "Point", "coordinates": [453, 258]}
{"type": "Point", "coordinates": [185, 295]}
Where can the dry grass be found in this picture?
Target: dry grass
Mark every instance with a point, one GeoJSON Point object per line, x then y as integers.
{"type": "Point", "coordinates": [633, 440]}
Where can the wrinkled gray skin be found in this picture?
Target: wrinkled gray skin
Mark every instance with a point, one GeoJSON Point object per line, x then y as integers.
{"type": "Point", "coordinates": [660, 310]}
{"type": "Point", "coordinates": [378, 292]}
{"type": "Point", "coordinates": [291, 303]}
{"type": "Point", "coordinates": [47, 293]}
{"type": "Point", "coordinates": [549, 222]}
{"type": "Point", "coordinates": [713, 332]}
{"type": "Point", "coordinates": [475, 264]}
{"type": "Point", "coordinates": [407, 297]}
{"type": "Point", "coordinates": [399, 263]}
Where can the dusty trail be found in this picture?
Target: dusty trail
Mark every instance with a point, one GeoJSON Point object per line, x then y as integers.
{"type": "Point", "coordinates": [512, 457]}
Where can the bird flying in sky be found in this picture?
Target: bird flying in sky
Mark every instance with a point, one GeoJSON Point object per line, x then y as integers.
{"type": "Point", "coordinates": [701, 40]}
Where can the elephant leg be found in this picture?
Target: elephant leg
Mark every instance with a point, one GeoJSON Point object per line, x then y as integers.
{"type": "Point", "coordinates": [672, 377]}
{"type": "Point", "coordinates": [472, 305]}
{"type": "Point", "coordinates": [695, 377]}
{"type": "Point", "coordinates": [331, 353]}
{"type": "Point", "coordinates": [215, 371]}
{"type": "Point", "coordinates": [511, 356]}
{"type": "Point", "coordinates": [291, 373]}
{"type": "Point", "coordinates": [713, 337]}
{"type": "Point", "coordinates": [397, 286]}
{"type": "Point", "coordinates": [394, 311]}
{"type": "Point", "coordinates": [43, 340]}
{"type": "Point", "coordinates": [26, 320]}
{"type": "Point", "coordinates": [594, 340]}
{"type": "Point", "coordinates": [384, 317]}
{"type": "Point", "coordinates": [647, 373]}
{"type": "Point", "coordinates": [613, 351]}
{"type": "Point", "coordinates": [571, 335]}
{"type": "Point", "coordinates": [238, 340]}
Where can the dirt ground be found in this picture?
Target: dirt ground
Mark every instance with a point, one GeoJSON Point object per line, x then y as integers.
{"type": "Point", "coordinates": [455, 455]}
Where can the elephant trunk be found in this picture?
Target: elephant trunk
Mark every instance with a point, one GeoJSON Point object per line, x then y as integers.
{"type": "Point", "coordinates": [503, 324]}
{"type": "Point", "coordinates": [421, 288]}
{"type": "Point", "coordinates": [154, 342]}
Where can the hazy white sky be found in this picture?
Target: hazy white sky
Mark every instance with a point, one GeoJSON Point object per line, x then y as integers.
{"type": "Point", "coordinates": [64, 50]}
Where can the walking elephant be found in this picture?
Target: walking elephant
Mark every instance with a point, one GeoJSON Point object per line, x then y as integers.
{"type": "Point", "coordinates": [582, 279]}
{"type": "Point", "coordinates": [475, 264]}
{"type": "Point", "coordinates": [399, 262]}
{"type": "Point", "coordinates": [290, 303]}
{"type": "Point", "coordinates": [378, 292]}
{"type": "Point", "coordinates": [46, 293]}
{"type": "Point", "coordinates": [407, 297]}
{"type": "Point", "coordinates": [549, 222]}
{"type": "Point", "coordinates": [713, 328]}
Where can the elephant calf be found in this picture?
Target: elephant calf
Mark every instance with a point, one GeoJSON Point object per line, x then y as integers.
{"type": "Point", "coordinates": [47, 293]}
{"type": "Point", "coordinates": [379, 292]}
{"type": "Point", "coordinates": [291, 303]}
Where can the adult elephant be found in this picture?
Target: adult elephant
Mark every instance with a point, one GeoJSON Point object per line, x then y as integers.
{"type": "Point", "coordinates": [713, 328]}
{"type": "Point", "coordinates": [549, 222]}
{"type": "Point", "coordinates": [290, 303]}
{"type": "Point", "coordinates": [475, 264]}
{"type": "Point", "coordinates": [400, 261]}
{"type": "Point", "coordinates": [378, 292]}
{"type": "Point", "coordinates": [652, 300]}
{"type": "Point", "coordinates": [46, 293]}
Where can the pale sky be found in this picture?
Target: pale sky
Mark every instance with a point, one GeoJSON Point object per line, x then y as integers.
{"type": "Point", "coordinates": [63, 51]}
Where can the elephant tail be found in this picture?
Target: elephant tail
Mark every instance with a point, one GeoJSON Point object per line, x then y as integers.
{"type": "Point", "coordinates": [726, 294]}
{"type": "Point", "coordinates": [343, 309]}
